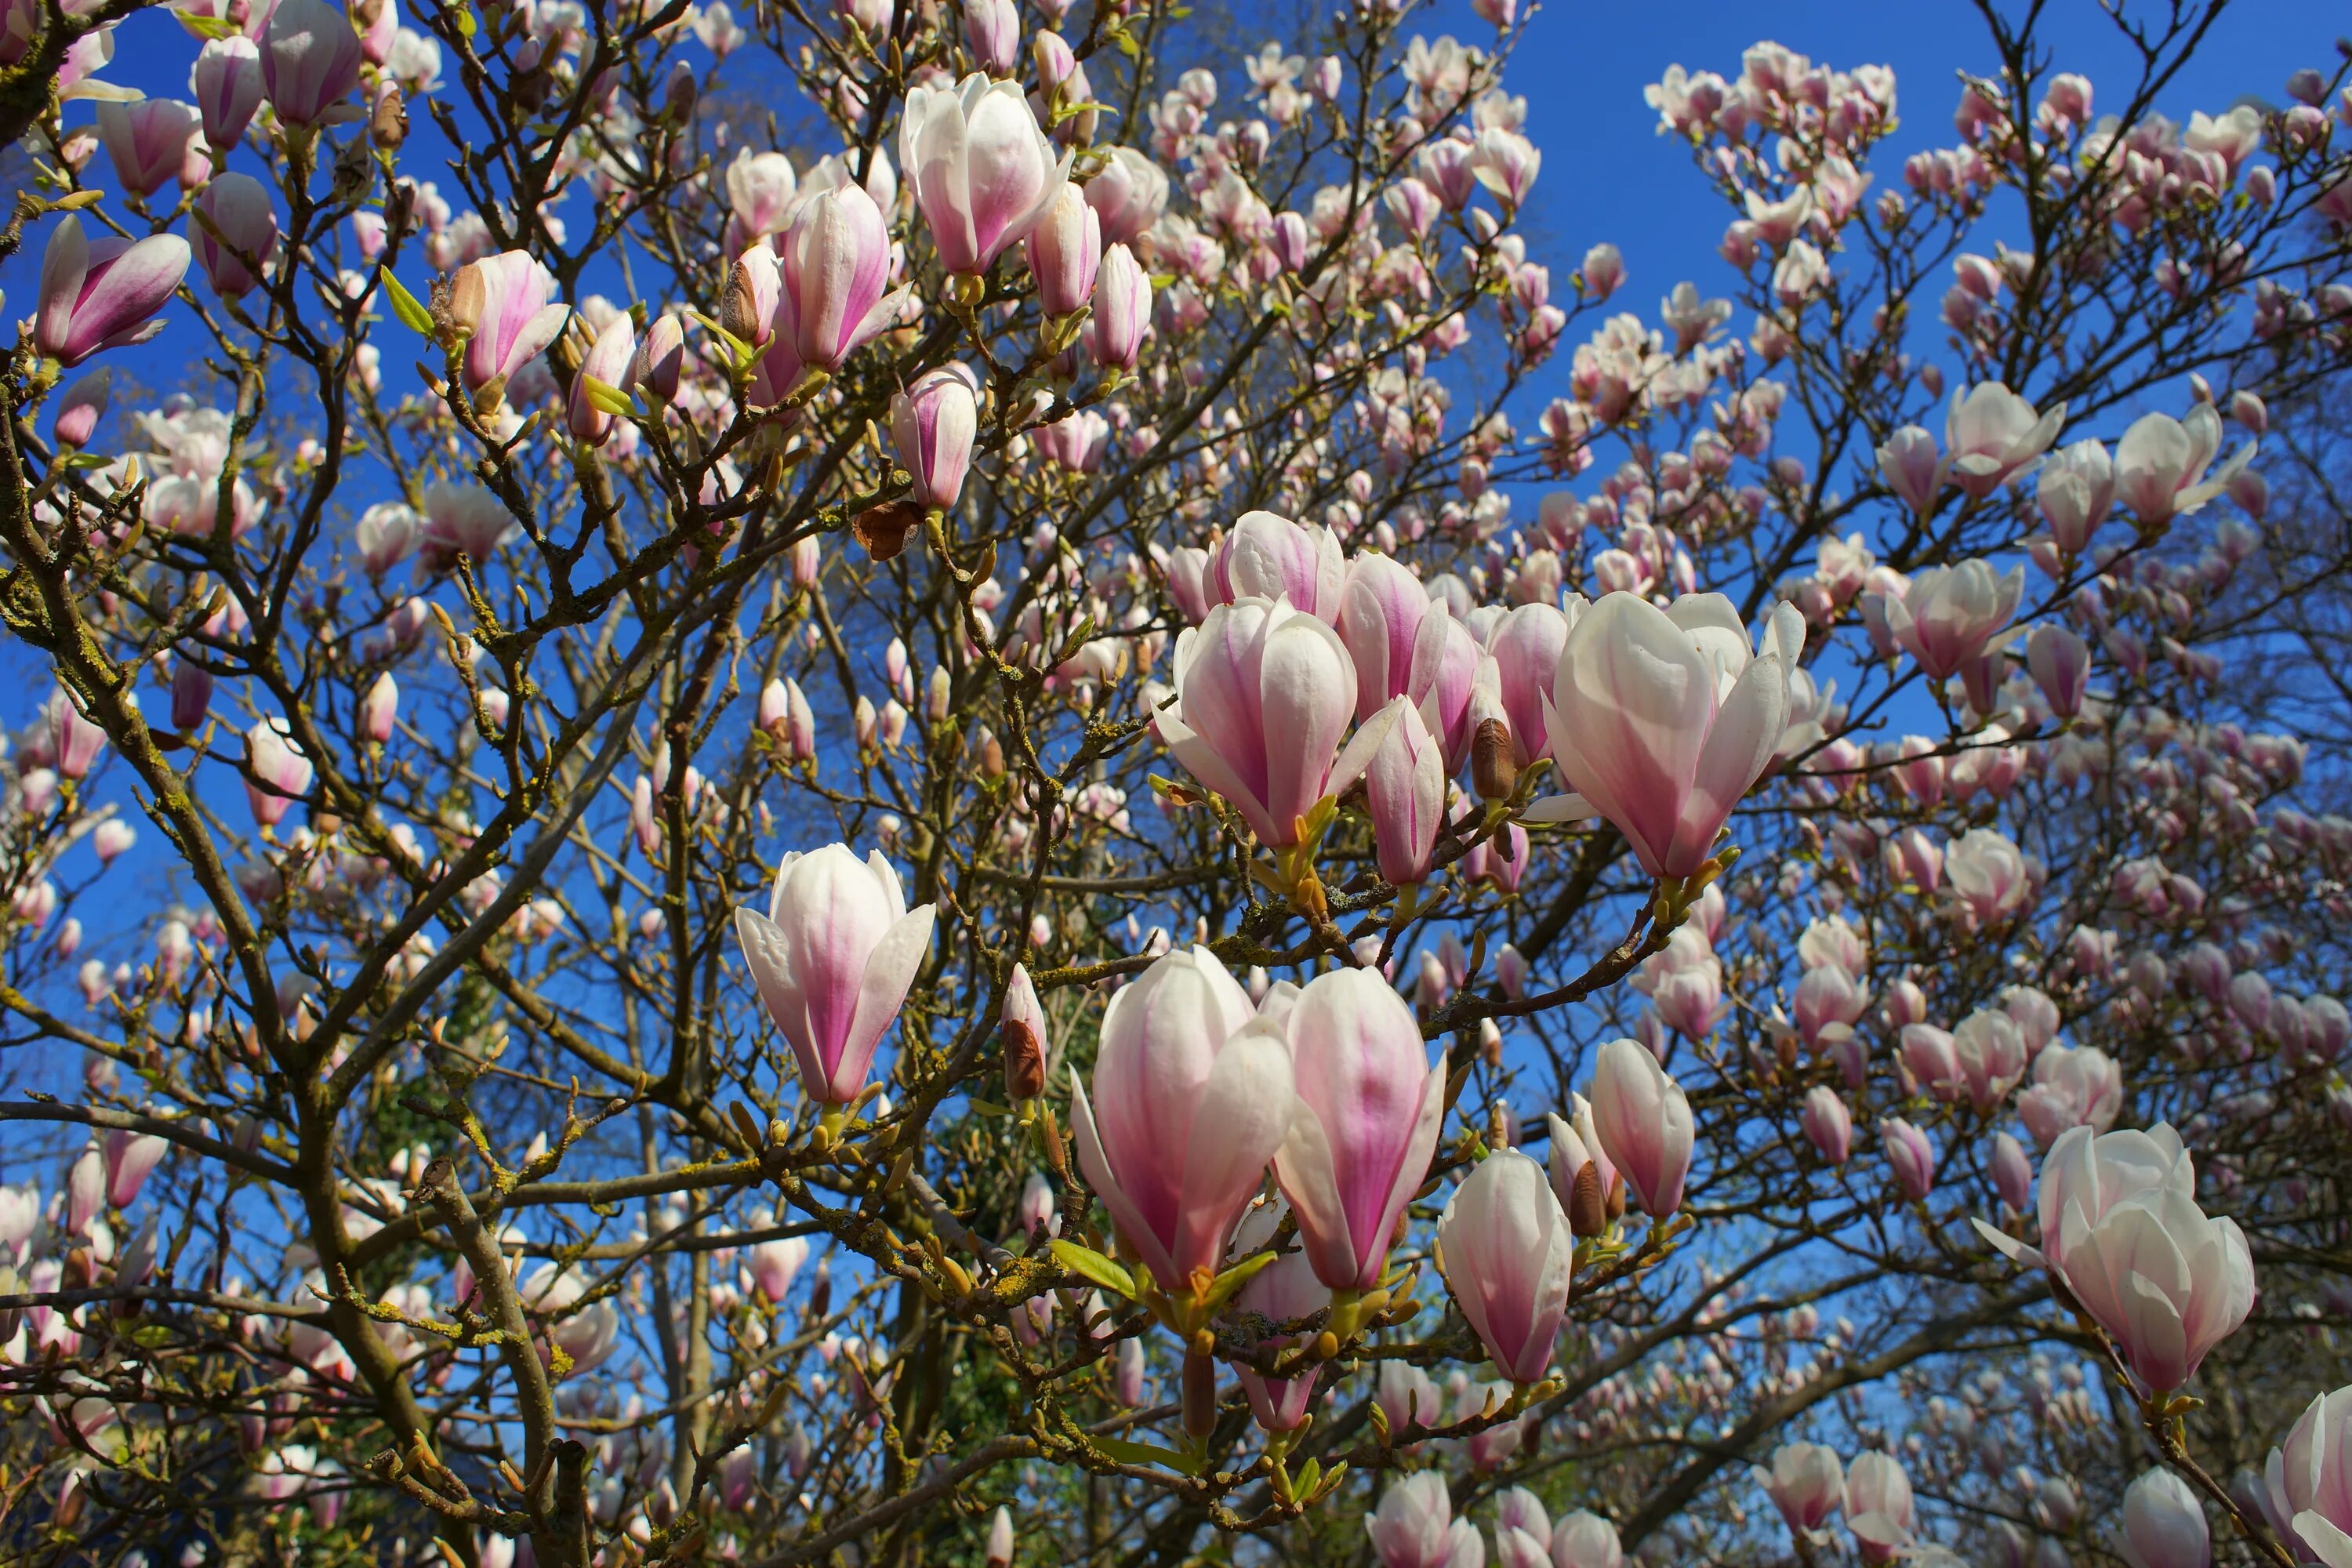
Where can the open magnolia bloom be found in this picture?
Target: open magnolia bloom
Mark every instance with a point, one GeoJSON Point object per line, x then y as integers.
{"type": "Point", "coordinates": [1663, 719]}
{"type": "Point", "coordinates": [1264, 691]}
{"type": "Point", "coordinates": [832, 960]}
{"type": "Point", "coordinates": [2120, 1227]}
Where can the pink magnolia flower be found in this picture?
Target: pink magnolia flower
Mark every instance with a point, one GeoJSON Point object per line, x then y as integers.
{"type": "Point", "coordinates": [2164, 1525]}
{"type": "Point", "coordinates": [507, 304]}
{"type": "Point", "coordinates": [1129, 194]}
{"type": "Point", "coordinates": [1645, 1124]}
{"type": "Point", "coordinates": [1879, 1508]}
{"type": "Point", "coordinates": [2073, 1086]}
{"type": "Point", "coordinates": [835, 266]}
{"type": "Point", "coordinates": [2161, 461]}
{"type": "Point", "coordinates": [225, 83]}
{"type": "Point", "coordinates": [1405, 785]}
{"type": "Point", "coordinates": [1806, 1483]}
{"type": "Point", "coordinates": [1505, 1250]}
{"type": "Point", "coordinates": [1270, 557]}
{"type": "Point", "coordinates": [1192, 1096]}
{"type": "Point", "coordinates": [605, 363]}
{"type": "Point", "coordinates": [759, 191]}
{"type": "Point", "coordinates": [774, 1263]}
{"type": "Point", "coordinates": [81, 406]}
{"type": "Point", "coordinates": [2120, 1226]}
{"type": "Point", "coordinates": [1282, 1290]}
{"type": "Point", "coordinates": [2307, 1484]}
{"type": "Point", "coordinates": [103, 293]}
{"type": "Point", "coordinates": [1585, 1540]}
{"type": "Point", "coordinates": [932, 423]}
{"type": "Point", "coordinates": [832, 960]}
{"type": "Point", "coordinates": [1525, 645]}
{"type": "Point", "coordinates": [1987, 872]}
{"type": "Point", "coordinates": [1953, 614]}
{"type": "Point", "coordinates": [983, 174]}
{"type": "Point", "coordinates": [1661, 720]}
{"type": "Point", "coordinates": [1381, 606]}
{"type": "Point", "coordinates": [1065, 251]}
{"type": "Point", "coordinates": [74, 742]}
{"type": "Point", "coordinates": [1122, 310]}
{"type": "Point", "coordinates": [380, 710]}
{"type": "Point", "coordinates": [1366, 1123]}
{"type": "Point", "coordinates": [1991, 435]}
{"type": "Point", "coordinates": [129, 1158]}
{"type": "Point", "coordinates": [311, 61]}
{"type": "Point", "coordinates": [1262, 695]}
{"type": "Point", "coordinates": [2075, 489]}
{"type": "Point", "coordinates": [277, 769]}
{"type": "Point", "coordinates": [1910, 1154]}
{"type": "Point", "coordinates": [2059, 663]}
{"type": "Point", "coordinates": [1410, 1528]}
{"type": "Point", "coordinates": [147, 140]}
{"type": "Point", "coordinates": [1828, 1125]}
{"type": "Point", "coordinates": [238, 243]}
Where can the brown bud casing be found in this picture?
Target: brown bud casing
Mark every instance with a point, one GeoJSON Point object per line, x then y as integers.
{"type": "Point", "coordinates": [1024, 1062]}
{"type": "Point", "coordinates": [1494, 771]}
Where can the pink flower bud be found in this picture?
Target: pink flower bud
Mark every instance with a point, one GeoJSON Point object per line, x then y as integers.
{"type": "Point", "coordinates": [74, 742]}
{"type": "Point", "coordinates": [129, 1157]}
{"type": "Point", "coordinates": [81, 406]}
{"type": "Point", "coordinates": [660, 359]}
{"type": "Point", "coordinates": [277, 772]}
{"type": "Point", "coordinates": [1410, 1529]}
{"type": "Point", "coordinates": [227, 85]}
{"type": "Point", "coordinates": [85, 1192]}
{"type": "Point", "coordinates": [237, 245]}
{"type": "Point", "coordinates": [992, 29]}
{"type": "Point", "coordinates": [1828, 1124]}
{"type": "Point", "coordinates": [832, 960]}
{"type": "Point", "coordinates": [2013, 1176]}
{"type": "Point", "coordinates": [1365, 1126]}
{"type": "Point", "coordinates": [835, 266]}
{"type": "Point", "coordinates": [1122, 310]}
{"type": "Point", "coordinates": [1910, 1154]}
{"type": "Point", "coordinates": [1645, 1124]}
{"type": "Point", "coordinates": [111, 839]}
{"type": "Point", "coordinates": [1405, 782]}
{"type": "Point", "coordinates": [1505, 1250]}
{"type": "Point", "coordinates": [379, 708]}
{"type": "Point", "coordinates": [932, 423]}
{"type": "Point", "coordinates": [2061, 666]}
{"type": "Point", "coordinates": [1000, 1529]}
{"type": "Point", "coordinates": [1806, 1483]}
{"type": "Point", "coordinates": [1065, 250]}
{"type": "Point", "coordinates": [103, 293]}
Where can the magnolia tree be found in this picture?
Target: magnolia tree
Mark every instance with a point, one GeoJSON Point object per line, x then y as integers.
{"type": "Point", "coordinates": [1041, 813]}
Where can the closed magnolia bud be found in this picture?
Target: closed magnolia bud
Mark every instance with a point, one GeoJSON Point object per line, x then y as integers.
{"type": "Point", "coordinates": [1588, 1202]}
{"type": "Point", "coordinates": [1024, 1061]}
{"type": "Point", "coordinates": [388, 119]}
{"type": "Point", "coordinates": [381, 708]}
{"type": "Point", "coordinates": [1494, 771]}
{"type": "Point", "coordinates": [738, 306]}
{"type": "Point", "coordinates": [1199, 1396]}
{"type": "Point", "coordinates": [191, 694]}
{"type": "Point", "coordinates": [1000, 1540]}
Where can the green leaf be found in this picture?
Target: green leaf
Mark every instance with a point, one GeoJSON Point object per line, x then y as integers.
{"type": "Point", "coordinates": [1128, 1453]}
{"type": "Point", "coordinates": [605, 397]}
{"type": "Point", "coordinates": [988, 1106]}
{"type": "Point", "coordinates": [1086, 1260]}
{"type": "Point", "coordinates": [405, 305]}
{"type": "Point", "coordinates": [1223, 1289]}
{"type": "Point", "coordinates": [1308, 1473]}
